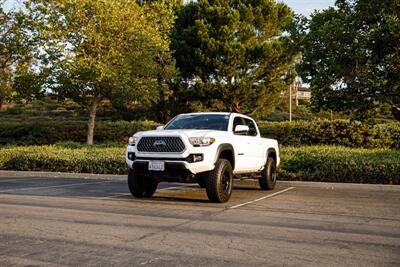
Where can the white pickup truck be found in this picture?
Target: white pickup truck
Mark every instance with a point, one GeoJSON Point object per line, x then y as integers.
{"type": "Point", "coordinates": [209, 148]}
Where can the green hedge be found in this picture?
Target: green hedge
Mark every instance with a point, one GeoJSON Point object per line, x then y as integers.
{"type": "Point", "coordinates": [313, 163]}
{"type": "Point", "coordinates": [341, 164]}
{"type": "Point", "coordinates": [106, 160]}
{"type": "Point", "coordinates": [323, 132]}
{"type": "Point", "coordinates": [51, 132]}
{"type": "Point", "coordinates": [337, 132]}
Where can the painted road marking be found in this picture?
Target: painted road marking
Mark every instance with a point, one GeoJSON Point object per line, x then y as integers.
{"type": "Point", "coordinates": [16, 179]}
{"type": "Point", "coordinates": [176, 187]}
{"type": "Point", "coordinates": [114, 195]}
{"type": "Point", "coordinates": [261, 198]}
{"type": "Point", "coordinates": [52, 186]}
{"type": "Point", "coordinates": [128, 194]}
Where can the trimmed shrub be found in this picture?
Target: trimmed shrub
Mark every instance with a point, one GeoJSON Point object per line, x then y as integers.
{"type": "Point", "coordinates": [312, 163]}
{"type": "Point", "coordinates": [340, 164]}
{"type": "Point", "coordinates": [51, 132]}
{"type": "Point", "coordinates": [337, 132]}
{"type": "Point", "coordinates": [297, 133]}
{"type": "Point", "coordinates": [106, 160]}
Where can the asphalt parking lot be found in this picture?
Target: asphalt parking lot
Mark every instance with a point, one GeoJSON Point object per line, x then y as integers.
{"type": "Point", "coordinates": [81, 220]}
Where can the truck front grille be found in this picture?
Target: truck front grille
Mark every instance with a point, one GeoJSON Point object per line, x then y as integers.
{"type": "Point", "coordinates": [161, 144]}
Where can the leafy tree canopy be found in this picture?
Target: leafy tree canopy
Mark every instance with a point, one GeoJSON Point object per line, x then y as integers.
{"type": "Point", "coordinates": [351, 56]}
{"type": "Point", "coordinates": [15, 48]}
{"type": "Point", "coordinates": [101, 49]}
{"type": "Point", "coordinates": [233, 52]}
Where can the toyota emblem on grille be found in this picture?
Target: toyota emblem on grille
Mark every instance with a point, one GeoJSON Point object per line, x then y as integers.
{"type": "Point", "coordinates": [159, 143]}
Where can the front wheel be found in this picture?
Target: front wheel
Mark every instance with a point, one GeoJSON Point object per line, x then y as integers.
{"type": "Point", "coordinates": [140, 187]}
{"type": "Point", "coordinates": [267, 180]}
{"type": "Point", "coordinates": [219, 182]}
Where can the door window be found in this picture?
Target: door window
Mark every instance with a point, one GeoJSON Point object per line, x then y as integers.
{"type": "Point", "coordinates": [252, 127]}
{"type": "Point", "coordinates": [237, 121]}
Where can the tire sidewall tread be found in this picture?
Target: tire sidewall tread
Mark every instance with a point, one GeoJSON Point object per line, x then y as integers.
{"type": "Point", "coordinates": [213, 182]}
{"type": "Point", "coordinates": [265, 181]}
{"type": "Point", "coordinates": [139, 187]}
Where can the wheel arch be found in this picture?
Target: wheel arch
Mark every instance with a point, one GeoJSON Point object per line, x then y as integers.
{"type": "Point", "coordinates": [271, 153]}
{"type": "Point", "coordinates": [226, 151]}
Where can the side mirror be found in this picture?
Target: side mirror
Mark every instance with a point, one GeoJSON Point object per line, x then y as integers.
{"type": "Point", "coordinates": [161, 127]}
{"type": "Point", "coordinates": [241, 129]}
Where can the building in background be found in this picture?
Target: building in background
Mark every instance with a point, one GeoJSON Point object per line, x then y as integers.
{"type": "Point", "coordinates": [302, 94]}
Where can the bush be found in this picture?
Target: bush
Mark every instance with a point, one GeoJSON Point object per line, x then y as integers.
{"type": "Point", "coordinates": [313, 163]}
{"type": "Point", "coordinates": [340, 164]}
{"type": "Point", "coordinates": [51, 132]}
{"type": "Point", "coordinates": [86, 159]}
{"type": "Point", "coordinates": [337, 132]}
{"type": "Point", "coordinates": [297, 133]}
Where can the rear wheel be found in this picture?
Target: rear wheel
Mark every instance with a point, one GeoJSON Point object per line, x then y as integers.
{"type": "Point", "coordinates": [140, 187]}
{"type": "Point", "coordinates": [267, 180]}
{"type": "Point", "coordinates": [219, 182]}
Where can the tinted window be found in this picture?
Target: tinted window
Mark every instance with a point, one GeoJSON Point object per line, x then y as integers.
{"type": "Point", "coordinates": [252, 127]}
{"type": "Point", "coordinates": [199, 121]}
{"type": "Point", "coordinates": [237, 121]}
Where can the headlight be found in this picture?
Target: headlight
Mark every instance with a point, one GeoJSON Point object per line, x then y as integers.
{"type": "Point", "coordinates": [201, 141]}
{"type": "Point", "coordinates": [132, 141]}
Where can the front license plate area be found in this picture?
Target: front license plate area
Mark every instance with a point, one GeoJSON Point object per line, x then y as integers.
{"type": "Point", "coordinates": [156, 166]}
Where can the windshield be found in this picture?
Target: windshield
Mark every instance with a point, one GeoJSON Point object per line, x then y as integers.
{"type": "Point", "coordinates": [199, 121]}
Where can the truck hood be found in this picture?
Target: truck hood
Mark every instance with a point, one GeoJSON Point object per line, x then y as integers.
{"type": "Point", "coordinates": [187, 133]}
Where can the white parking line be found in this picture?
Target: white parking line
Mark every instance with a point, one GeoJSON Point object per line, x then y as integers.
{"type": "Point", "coordinates": [52, 186]}
{"type": "Point", "coordinates": [128, 194]}
{"type": "Point", "coordinates": [176, 187]}
{"type": "Point", "coordinates": [114, 195]}
{"type": "Point", "coordinates": [261, 198]}
{"type": "Point", "coordinates": [9, 180]}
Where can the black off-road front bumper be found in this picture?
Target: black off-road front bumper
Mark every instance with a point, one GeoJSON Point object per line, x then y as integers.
{"type": "Point", "coordinates": [173, 172]}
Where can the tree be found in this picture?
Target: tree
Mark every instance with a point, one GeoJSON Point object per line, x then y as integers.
{"type": "Point", "coordinates": [351, 56]}
{"type": "Point", "coordinates": [15, 46]}
{"type": "Point", "coordinates": [233, 53]}
{"type": "Point", "coordinates": [101, 49]}
{"type": "Point", "coordinates": [27, 83]}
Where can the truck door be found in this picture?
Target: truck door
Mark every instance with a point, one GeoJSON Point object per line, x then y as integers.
{"type": "Point", "coordinates": [245, 146]}
{"type": "Point", "coordinates": [255, 143]}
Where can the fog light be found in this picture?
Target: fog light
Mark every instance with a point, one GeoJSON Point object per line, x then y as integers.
{"type": "Point", "coordinates": [131, 156]}
{"type": "Point", "coordinates": [197, 157]}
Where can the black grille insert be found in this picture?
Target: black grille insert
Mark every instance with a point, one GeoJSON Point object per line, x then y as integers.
{"type": "Point", "coordinates": [160, 144]}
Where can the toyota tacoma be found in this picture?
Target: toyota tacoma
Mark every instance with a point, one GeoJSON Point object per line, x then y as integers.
{"type": "Point", "coordinates": [210, 149]}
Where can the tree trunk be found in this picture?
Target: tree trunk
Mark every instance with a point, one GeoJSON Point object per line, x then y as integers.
{"type": "Point", "coordinates": [92, 119]}
{"type": "Point", "coordinates": [396, 112]}
{"type": "Point", "coordinates": [235, 107]}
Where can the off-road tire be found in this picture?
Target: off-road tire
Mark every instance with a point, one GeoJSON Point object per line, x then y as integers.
{"type": "Point", "coordinates": [267, 180]}
{"type": "Point", "coordinates": [219, 182]}
{"type": "Point", "coordinates": [150, 187]}
{"type": "Point", "coordinates": [140, 187]}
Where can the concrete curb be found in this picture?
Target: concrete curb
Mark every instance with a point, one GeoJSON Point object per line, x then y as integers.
{"type": "Point", "coordinates": [349, 186]}
{"type": "Point", "coordinates": [24, 174]}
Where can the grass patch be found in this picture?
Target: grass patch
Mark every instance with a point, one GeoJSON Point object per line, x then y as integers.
{"type": "Point", "coordinates": [311, 163]}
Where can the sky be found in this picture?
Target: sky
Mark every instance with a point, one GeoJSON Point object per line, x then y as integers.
{"type": "Point", "coordinates": [304, 7]}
